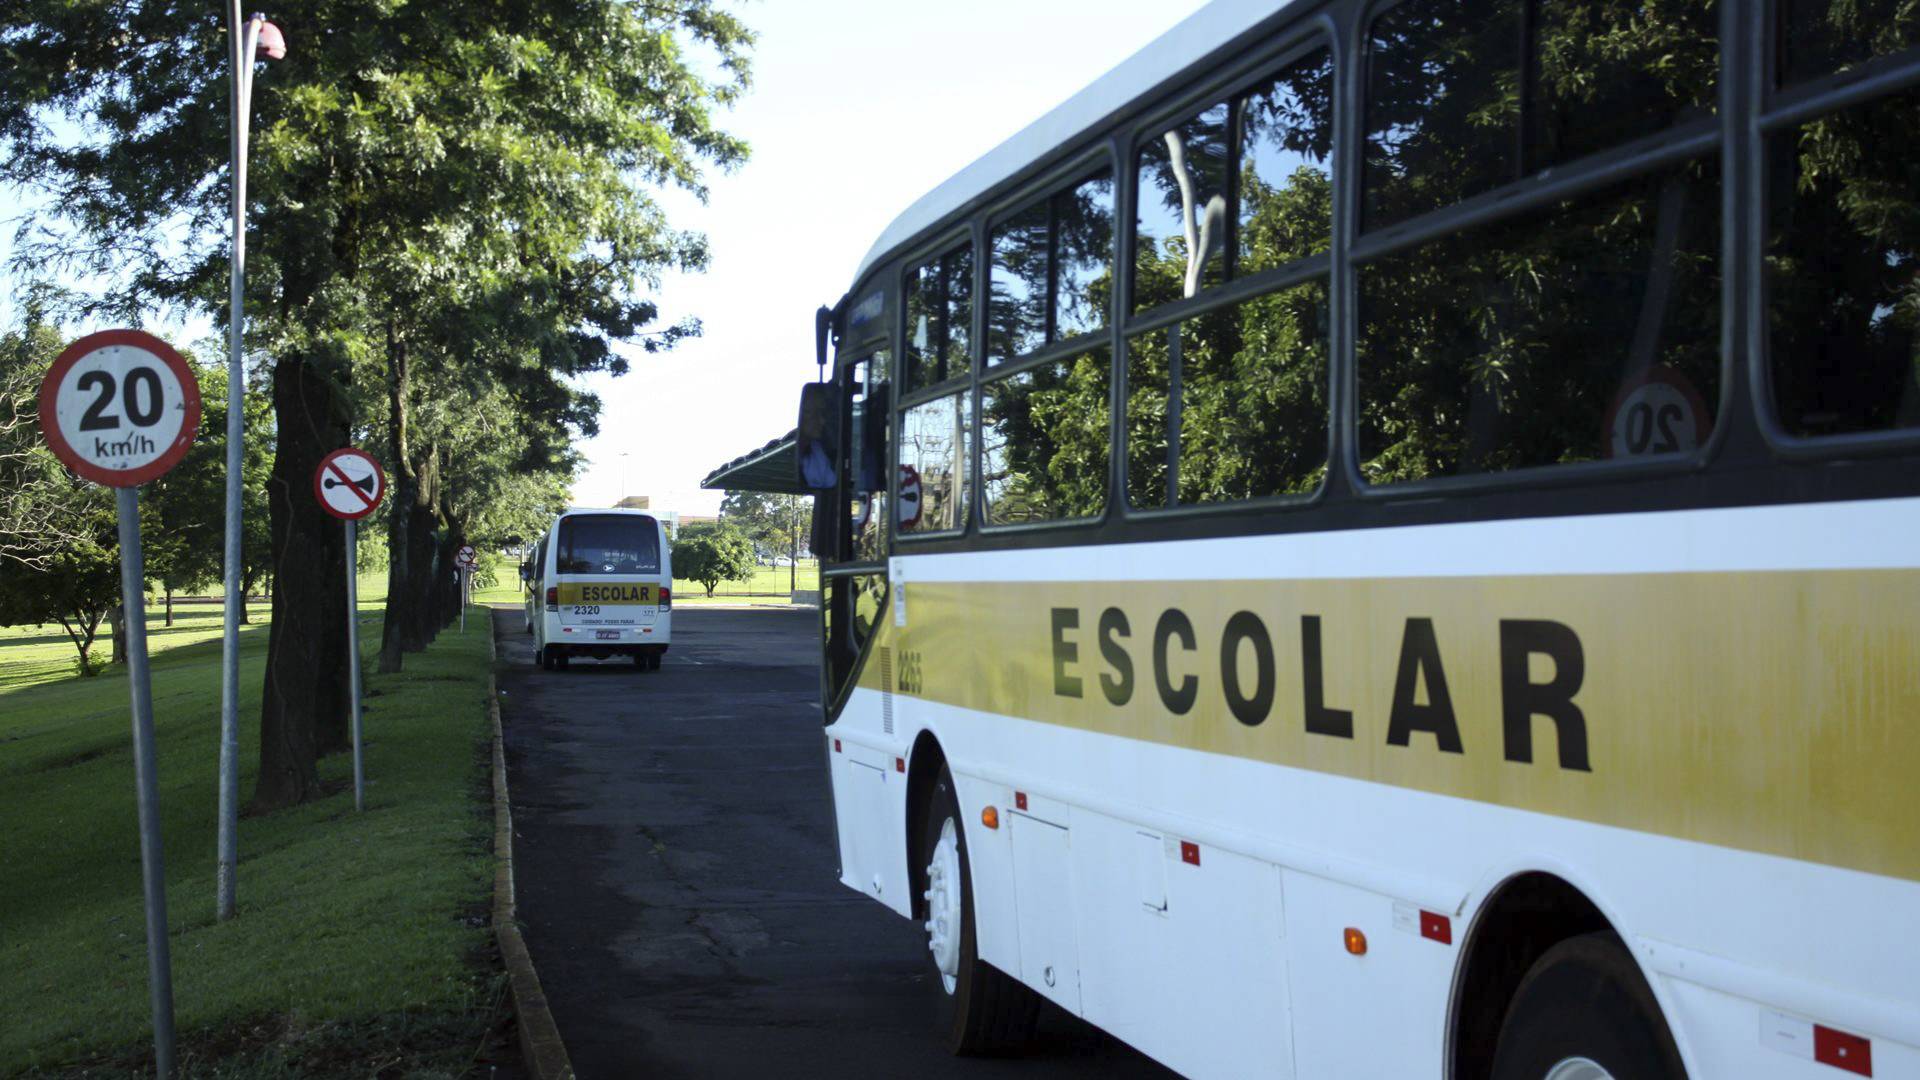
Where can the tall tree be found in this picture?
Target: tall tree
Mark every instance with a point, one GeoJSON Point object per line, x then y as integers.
{"type": "Point", "coordinates": [488, 157]}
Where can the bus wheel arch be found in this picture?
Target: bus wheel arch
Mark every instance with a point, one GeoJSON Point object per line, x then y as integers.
{"type": "Point", "coordinates": [1523, 919]}
{"type": "Point", "coordinates": [924, 762]}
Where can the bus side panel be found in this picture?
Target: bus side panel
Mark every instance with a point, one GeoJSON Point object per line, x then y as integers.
{"type": "Point", "coordinates": [1377, 1014]}
{"type": "Point", "coordinates": [870, 794]}
{"type": "Point", "coordinates": [1155, 969]}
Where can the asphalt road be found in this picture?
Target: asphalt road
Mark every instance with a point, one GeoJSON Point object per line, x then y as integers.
{"type": "Point", "coordinates": [673, 837]}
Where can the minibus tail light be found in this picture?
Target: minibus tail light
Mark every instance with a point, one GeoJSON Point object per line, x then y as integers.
{"type": "Point", "coordinates": [553, 598]}
{"type": "Point", "coordinates": [666, 597]}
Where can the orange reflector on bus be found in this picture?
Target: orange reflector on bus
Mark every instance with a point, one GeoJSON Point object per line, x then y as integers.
{"type": "Point", "coordinates": [1356, 941]}
{"type": "Point", "coordinates": [990, 818]}
{"type": "Point", "coordinates": [899, 764]}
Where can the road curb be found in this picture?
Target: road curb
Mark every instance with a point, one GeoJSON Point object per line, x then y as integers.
{"type": "Point", "coordinates": [540, 1044]}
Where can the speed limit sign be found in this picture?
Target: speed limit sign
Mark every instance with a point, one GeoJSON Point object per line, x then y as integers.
{"type": "Point", "coordinates": [120, 407]}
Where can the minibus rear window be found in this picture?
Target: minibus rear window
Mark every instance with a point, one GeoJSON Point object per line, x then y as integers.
{"type": "Point", "coordinates": [608, 544]}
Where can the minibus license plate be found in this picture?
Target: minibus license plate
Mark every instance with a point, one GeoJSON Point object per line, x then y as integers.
{"type": "Point", "coordinates": [607, 635]}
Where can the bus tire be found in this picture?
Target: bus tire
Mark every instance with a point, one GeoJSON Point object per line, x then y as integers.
{"type": "Point", "coordinates": [653, 660]}
{"type": "Point", "coordinates": [1584, 1011]}
{"type": "Point", "coordinates": [978, 1008]}
{"type": "Point", "coordinates": [543, 656]}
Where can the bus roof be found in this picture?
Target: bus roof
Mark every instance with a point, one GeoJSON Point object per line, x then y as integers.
{"type": "Point", "coordinates": [1166, 56]}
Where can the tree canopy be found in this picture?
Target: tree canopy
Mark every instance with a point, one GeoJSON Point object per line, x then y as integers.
{"type": "Point", "coordinates": [451, 217]}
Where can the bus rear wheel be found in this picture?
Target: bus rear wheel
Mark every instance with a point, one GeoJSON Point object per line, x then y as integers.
{"type": "Point", "coordinates": [1584, 1012]}
{"type": "Point", "coordinates": [977, 1008]}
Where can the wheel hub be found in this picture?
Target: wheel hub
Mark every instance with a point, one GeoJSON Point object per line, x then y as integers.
{"type": "Point", "coordinates": [943, 905]}
{"type": "Point", "coordinates": [1578, 1068]}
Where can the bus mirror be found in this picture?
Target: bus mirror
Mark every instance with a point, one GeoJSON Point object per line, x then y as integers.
{"type": "Point", "coordinates": [526, 571]}
{"type": "Point", "coordinates": [822, 330]}
{"type": "Point", "coordinates": [815, 437]}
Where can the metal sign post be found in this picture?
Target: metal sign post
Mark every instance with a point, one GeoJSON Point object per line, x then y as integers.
{"type": "Point", "coordinates": [120, 408]}
{"type": "Point", "coordinates": [349, 485]}
{"type": "Point", "coordinates": [466, 559]}
{"type": "Point", "coordinates": [256, 33]}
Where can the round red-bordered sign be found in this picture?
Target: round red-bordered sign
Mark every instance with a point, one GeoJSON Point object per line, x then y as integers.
{"type": "Point", "coordinates": [94, 397]}
{"type": "Point", "coordinates": [1657, 412]}
{"type": "Point", "coordinates": [908, 514]}
{"type": "Point", "coordinates": [349, 484]}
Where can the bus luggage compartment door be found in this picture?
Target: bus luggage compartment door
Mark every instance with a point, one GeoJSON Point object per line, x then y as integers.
{"type": "Point", "coordinates": [1043, 900]}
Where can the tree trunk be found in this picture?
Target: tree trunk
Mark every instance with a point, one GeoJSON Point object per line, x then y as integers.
{"type": "Point", "coordinates": [447, 580]}
{"type": "Point", "coordinates": [406, 488]}
{"type": "Point", "coordinates": [416, 619]}
{"type": "Point", "coordinates": [246, 590]}
{"type": "Point", "coordinates": [169, 589]}
{"type": "Point", "coordinates": [304, 701]}
{"type": "Point", "coordinates": [117, 625]}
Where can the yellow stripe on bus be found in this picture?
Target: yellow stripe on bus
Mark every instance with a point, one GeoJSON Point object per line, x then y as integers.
{"type": "Point", "coordinates": [1774, 712]}
{"type": "Point", "coordinates": [593, 592]}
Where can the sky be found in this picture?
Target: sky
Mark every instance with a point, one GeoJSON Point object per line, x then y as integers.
{"type": "Point", "coordinates": [858, 108]}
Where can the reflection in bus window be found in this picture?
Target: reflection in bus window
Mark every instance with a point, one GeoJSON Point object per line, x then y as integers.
{"type": "Point", "coordinates": [1843, 250]}
{"type": "Point", "coordinates": [1083, 287]}
{"type": "Point", "coordinates": [1182, 210]}
{"type": "Point", "coordinates": [933, 456]}
{"type": "Point", "coordinates": [1017, 297]}
{"type": "Point", "coordinates": [608, 544]}
{"type": "Point", "coordinates": [1446, 115]}
{"type": "Point", "coordinates": [1286, 171]}
{"type": "Point", "coordinates": [1442, 103]}
{"type": "Point", "coordinates": [1052, 271]}
{"type": "Point", "coordinates": [870, 430]}
{"type": "Point", "coordinates": [1607, 72]}
{"type": "Point", "coordinates": [1043, 441]}
{"type": "Point", "coordinates": [1822, 36]}
{"type": "Point", "coordinates": [940, 318]}
{"type": "Point", "coordinates": [1585, 331]}
{"type": "Point", "coordinates": [1232, 403]}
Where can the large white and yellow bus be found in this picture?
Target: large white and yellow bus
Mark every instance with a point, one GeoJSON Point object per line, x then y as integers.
{"type": "Point", "coordinates": [1383, 540]}
{"type": "Point", "coordinates": [599, 584]}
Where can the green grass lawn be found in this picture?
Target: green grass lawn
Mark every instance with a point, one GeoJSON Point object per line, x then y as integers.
{"type": "Point", "coordinates": [361, 940]}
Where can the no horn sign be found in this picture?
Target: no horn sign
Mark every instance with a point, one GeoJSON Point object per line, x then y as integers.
{"type": "Point", "coordinates": [349, 484]}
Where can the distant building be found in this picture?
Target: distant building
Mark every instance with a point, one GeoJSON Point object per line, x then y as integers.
{"type": "Point", "coordinates": [673, 518]}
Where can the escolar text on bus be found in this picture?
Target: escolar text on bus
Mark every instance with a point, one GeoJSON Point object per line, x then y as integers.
{"type": "Point", "coordinates": [1421, 702]}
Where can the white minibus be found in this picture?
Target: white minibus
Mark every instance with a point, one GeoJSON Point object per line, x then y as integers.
{"type": "Point", "coordinates": [600, 584]}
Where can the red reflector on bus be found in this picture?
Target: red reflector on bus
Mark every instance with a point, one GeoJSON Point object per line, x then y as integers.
{"type": "Point", "coordinates": [1436, 927]}
{"type": "Point", "coordinates": [1019, 800]}
{"type": "Point", "coordinates": [836, 746]}
{"type": "Point", "coordinates": [1190, 853]}
{"type": "Point", "coordinates": [1842, 1051]}
{"type": "Point", "coordinates": [899, 764]}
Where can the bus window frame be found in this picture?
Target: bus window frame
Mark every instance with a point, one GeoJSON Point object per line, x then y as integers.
{"type": "Point", "coordinates": [1055, 182]}
{"type": "Point", "coordinates": [1777, 107]}
{"type": "Point", "coordinates": [1058, 179]}
{"type": "Point", "coordinates": [971, 230]}
{"type": "Point", "coordinates": [1537, 190]}
{"type": "Point", "coordinates": [1233, 84]}
{"type": "Point", "coordinates": [1762, 466]}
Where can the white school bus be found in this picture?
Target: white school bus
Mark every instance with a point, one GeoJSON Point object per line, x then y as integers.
{"type": "Point", "coordinates": [1379, 540]}
{"type": "Point", "coordinates": [599, 584]}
